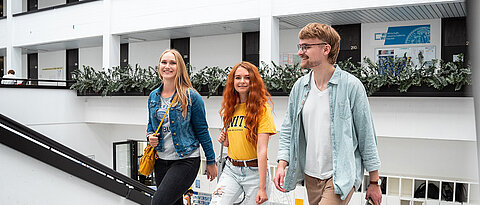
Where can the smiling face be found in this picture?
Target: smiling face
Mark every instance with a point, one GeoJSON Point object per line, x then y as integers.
{"type": "Point", "coordinates": [168, 66]}
{"type": "Point", "coordinates": [241, 81]}
{"type": "Point", "coordinates": [314, 54]}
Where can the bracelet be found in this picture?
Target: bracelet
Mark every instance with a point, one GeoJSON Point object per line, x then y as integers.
{"type": "Point", "coordinates": [375, 182]}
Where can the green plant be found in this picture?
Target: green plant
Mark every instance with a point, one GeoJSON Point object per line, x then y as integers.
{"type": "Point", "coordinates": [392, 72]}
{"type": "Point", "coordinates": [402, 73]}
{"type": "Point", "coordinates": [281, 78]}
{"type": "Point", "coordinates": [115, 80]}
{"type": "Point", "coordinates": [84, 79]}
{"type": "Point", "coordinates": [211, 78]}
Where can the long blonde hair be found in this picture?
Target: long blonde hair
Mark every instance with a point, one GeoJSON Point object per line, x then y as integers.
{"type": "Point", "coordinates": [182, 81]}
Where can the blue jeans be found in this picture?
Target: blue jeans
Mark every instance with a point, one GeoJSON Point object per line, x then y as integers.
{"type": "Point", "coordinates": [235, 180]}
{"type": "Point", "coordinates": [173, 178]}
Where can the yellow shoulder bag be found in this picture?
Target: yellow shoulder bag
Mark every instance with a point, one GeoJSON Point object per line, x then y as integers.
{"type": "Point", "coordinates": [147, 162]}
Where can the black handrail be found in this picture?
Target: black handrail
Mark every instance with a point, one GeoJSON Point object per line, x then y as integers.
{"type": "Point", "coordinates": [33, 83]}
{"type": "Point", "coordinates": [84, 168]}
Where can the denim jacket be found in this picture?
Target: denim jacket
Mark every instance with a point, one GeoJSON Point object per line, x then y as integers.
{"type": "Point", "coordinates": [187, 133]}
{"type": "Point", "coordinates": [354, 142]}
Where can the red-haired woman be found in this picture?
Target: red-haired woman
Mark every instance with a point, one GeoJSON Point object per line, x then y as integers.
{"type": "Point", "coordinates": [248, 121]}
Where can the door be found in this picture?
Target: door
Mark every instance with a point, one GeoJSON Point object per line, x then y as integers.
{"type": "Point", "coordinates": [349, 43]}
{"type": "Point", "coordinates": [32, 5]}
{"type": "Point", "coordinates": [32, 64]}
{"type": "Point", "coordinates": [183, 46]}
{"type": "Point", "coordinates": [72, 63]}
{"type": "Point", "coordinates": [454, 38]}
{"type": "Point", "coordinates": [124, 55]}
{"type": "Point", "coordinates": [2, 68]}
{"type": "Point", "coordinates": [251, 47]}
{"type": "Point", "coordinates": [1, 8]}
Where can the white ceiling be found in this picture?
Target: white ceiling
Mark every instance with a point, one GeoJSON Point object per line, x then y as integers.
{"type": "Point", "coordinates": [374, 15]}
{"type": "Point", "coordinates": [194, 31]}
{"type": "Point", "coordinates": [371, 15]}
{"type": "Point", "coordinates": [63, 45]}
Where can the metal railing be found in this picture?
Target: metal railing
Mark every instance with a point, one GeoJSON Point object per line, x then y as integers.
{"type": "Point", "coordinates": [35, 83]}
{"type": "Point", "coordinates": [40, 147]}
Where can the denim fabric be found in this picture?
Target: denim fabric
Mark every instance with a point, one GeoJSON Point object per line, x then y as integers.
{"type": "Point", "coordinates": [187, 133]}
{"type": "Point", "coordinates": [235, 180]}
{"type": "Point", "coordinates": [173, 178]}
{"type": "Point", "coordinates": [353, 135]}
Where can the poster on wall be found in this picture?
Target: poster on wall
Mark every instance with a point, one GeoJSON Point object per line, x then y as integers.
{"type": "Point", "coordinates": [400, 35]}
{"type": "Point", "coordinates": [289, 59]}
{"type": "Point", "coordinates": [54, 73]}
{"type": "Point", "coordinates": [385, 55]}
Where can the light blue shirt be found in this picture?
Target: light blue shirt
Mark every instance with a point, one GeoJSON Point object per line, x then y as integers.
{"type": "Point", "coordinates": [353, 135]}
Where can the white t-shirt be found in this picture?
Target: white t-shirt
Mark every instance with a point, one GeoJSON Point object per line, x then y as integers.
{"type": "Point", "coordinates": [9, 82]}
{"type": "Point", "coordinates": [169, 152]}
{"type": "Point", "coordinates": [316, 123]}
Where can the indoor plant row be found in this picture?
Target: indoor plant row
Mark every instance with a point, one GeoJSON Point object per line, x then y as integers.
{"type": "Point", "coordinates": [399, 74]}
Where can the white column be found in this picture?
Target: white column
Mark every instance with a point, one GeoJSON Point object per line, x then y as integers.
{"type": "Point", "coordinates": [111, 51]}
{"type": "Point", "coordinates": [269, 35]}
{"type": "Point", "coordinates": [111, 43]}
{"type": "Point", "coordinates": [14, 61]}
{"type": "Point", "coordinates": [14, 54]}
{"type": "Point", "coordinates": [474, 32]}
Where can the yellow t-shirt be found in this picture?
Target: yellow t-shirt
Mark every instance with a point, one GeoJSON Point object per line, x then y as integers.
{"type": "Point", "coordinates": [239, 147]}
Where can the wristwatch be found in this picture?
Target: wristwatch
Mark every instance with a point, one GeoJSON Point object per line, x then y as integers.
{"type": "Point", "coordinates": [376, 182]}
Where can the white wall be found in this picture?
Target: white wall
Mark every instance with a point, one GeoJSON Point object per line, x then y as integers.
{"type": "Point", "coordinates": [289, 41]}
{"type": "Point", "coordinates": [219, 50]}
{"type": "Point", "coordinates": [49, 3]}
{"type": "Point", "coordinates": [417, 136]}
{"type": "Point", "coordinates": [63, 24]}
{"type": "Point", "coordinates": [152, 15]}
{"type": "Point", "coordinates": [90, 57]}
{"type": "Point", "coordinates": [51, 60]}
{"type": "Point", "coordinates": [29, 181]}
{"type": "Point", "coordinates": [24, 6]}
{"type": "Point", "coordinates": [447, 159]}
{"type": "Point", "coordinates": [24, 66]}
{"type": "Point", "coordinates": [445, 118]}
{"type": "Point", "coordinates": [42, 106]}
{"type": "Point", "coordinates": [369, 44]}
{"type": "Point", "coordinates": [146, 53]}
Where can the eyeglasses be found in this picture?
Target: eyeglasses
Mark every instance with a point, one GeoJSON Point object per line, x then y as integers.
{"type": "Point", "coordinates": [306, 46]}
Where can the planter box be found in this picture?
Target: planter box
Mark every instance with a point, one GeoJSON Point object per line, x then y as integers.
{"type": "Point", "coordinates": [121, 93]}
{"type": "Point", "coordinates": [424, 91]}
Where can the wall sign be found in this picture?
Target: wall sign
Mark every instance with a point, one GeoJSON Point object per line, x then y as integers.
{"type": "Point", "coordinates": [408, 35]}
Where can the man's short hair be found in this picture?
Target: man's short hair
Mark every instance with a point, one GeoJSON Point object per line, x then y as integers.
{"type": "Point", "coordinates": [325, 33]}
{"type": "Point", "coordinates": [11, 72]}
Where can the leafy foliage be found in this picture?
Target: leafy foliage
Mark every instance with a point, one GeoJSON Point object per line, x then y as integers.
{"type": "Point", "coordinates": [398, 72]}
{"type": "Point", "coordinates": [115, 80]}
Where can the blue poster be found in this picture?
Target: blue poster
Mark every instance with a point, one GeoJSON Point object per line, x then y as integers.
{"type": "Point", "coordinates": [408, 35]}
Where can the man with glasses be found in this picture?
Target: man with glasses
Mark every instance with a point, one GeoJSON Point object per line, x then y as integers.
{"type": "Point", "coordinates": [327, 137]}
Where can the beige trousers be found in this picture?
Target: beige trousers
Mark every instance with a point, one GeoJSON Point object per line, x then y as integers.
{"type": "Point", "coordinates": [321, 192]}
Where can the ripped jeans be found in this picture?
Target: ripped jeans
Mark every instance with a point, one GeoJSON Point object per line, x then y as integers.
{"type": "Point", "coordinates": [235, 180]}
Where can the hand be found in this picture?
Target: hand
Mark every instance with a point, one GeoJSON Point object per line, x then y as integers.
{"type": "Point", "coordinates": [211, 172]}
{"type": "Point", "coordinates": [261, 196]}
{"type": "Point", "coordinates": [223, 138]}
{"type": "Point", "coordinates": [153, 139]}
{"type": "Point", "coordinates": [280, 176]}
{"type": "Point", "coordinates": [375, 193]}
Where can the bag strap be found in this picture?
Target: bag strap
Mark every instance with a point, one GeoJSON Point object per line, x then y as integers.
{"type": "Point", "coordinates": [163, 118]}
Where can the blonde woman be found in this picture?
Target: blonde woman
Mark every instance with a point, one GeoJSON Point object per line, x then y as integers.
{"type": "Point", "coordinates": [181, 133]}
